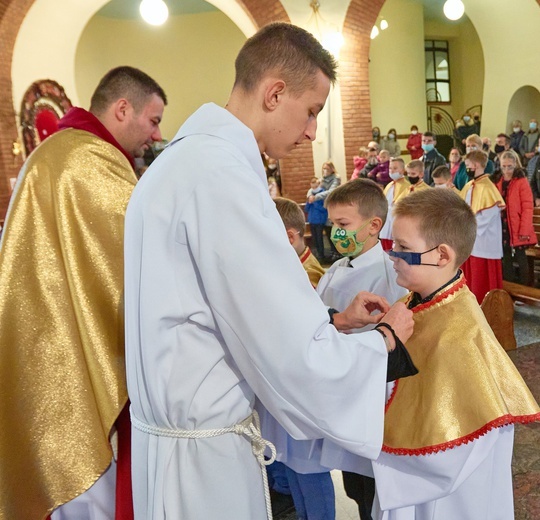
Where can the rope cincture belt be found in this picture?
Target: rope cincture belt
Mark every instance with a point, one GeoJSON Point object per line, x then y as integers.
{"type": "Point", "coordinates": [250, 427]}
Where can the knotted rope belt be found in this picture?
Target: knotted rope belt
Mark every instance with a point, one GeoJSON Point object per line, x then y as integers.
{"type": "Point", "coordinates": [250, 427]}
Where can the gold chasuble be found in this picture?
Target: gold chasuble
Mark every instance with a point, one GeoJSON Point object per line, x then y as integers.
{"type": "Point", "coordinates": [401, 188]}
{"type": "Point", "coordinates": [466, 385]}
{"type": "Point", "coordinates": [62, 374]}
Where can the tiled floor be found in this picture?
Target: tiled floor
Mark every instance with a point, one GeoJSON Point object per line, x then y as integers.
{"type": "Point", "coordinates": [526, 462]}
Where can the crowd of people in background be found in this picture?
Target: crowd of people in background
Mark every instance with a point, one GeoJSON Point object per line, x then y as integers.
{"type": "Point", "coordinates": [512, 166]}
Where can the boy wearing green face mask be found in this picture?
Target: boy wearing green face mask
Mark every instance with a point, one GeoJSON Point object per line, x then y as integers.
{"type": "Point", "coordinates": [358, 210]}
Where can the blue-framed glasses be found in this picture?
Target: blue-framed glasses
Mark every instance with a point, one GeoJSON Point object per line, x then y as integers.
{"type": "Point", "coordinates": [411, 258]}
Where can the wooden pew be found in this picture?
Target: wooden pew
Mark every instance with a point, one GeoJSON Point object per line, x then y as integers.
{"type": "Point", "coordinates": [523, 293]}
{"type": "Point", "coordinates": [533, 253]}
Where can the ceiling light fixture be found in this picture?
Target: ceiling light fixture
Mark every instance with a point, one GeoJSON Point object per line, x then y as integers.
{"type": "Point", "coordinates": [453, 9]}
{"type": "Point", "coordinates": [328, 34]}
{"type": "Point", "coordinates": [154, 12]}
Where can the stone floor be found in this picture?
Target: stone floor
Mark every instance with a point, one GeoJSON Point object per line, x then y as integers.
{"type": "Point", "coordinates": [526, 461]}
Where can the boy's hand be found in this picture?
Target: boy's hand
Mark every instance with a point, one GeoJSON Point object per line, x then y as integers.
{"type": "Point", "coordinates": [400, 319]}
{"type": "Point", "coordinates": [358, 313]}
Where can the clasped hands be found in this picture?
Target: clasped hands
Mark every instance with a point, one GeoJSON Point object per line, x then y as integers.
{"type": "Point", "coordinates": [359, 314]}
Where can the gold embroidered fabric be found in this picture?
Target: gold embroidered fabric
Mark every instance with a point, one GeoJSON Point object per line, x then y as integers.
{"type": "Point", "coordinates": [312, 266]}
{"type": "Point", "coordinates": [401, 188]}
{"type": "Point", "coordinates": [466, 384]}
{"type": "Point", "coordinates": [484, 194]}
{"type": "Point", "coordinates": [62, 375]}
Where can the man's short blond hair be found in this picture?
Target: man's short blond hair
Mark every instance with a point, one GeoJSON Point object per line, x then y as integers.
{"type": "Point", "coordinates": [443, 217]}
{"type": "Point", "coordinates": [292, 215]}
{"type": "Point", "coordinates": [398, 160]}
{"type": "Point", "coordinates": [365, 194]}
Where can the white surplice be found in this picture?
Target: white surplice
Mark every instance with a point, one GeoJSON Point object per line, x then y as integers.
{"type": "Point", "coordinates": [219, 310]}
{"type": "Point", "coordinates": [371, 271]}
{"type": "Point", "coordinates": [468, 482]}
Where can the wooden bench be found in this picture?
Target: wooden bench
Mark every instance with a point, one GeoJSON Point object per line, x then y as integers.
{"type": "Point", "coordinates": [533, 253]}
{"type": "Point", "coordinates": [498, 309]}
{"type": "Point", "coordinates": [523, 293]}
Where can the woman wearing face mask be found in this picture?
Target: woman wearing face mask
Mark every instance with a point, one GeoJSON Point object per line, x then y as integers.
{"type": "Point", "coordinates": [472, 143]}
{"type": "Point", "coordinates": [391, 144]}
{"type": "Point", "coordinates": [529, 142]}
{"type": "Point", "coordinates": [454, 160]}
{"type": "Point", "coordinates": [517, 219]}
{"type": "Point", "coordinates": [414, 143]}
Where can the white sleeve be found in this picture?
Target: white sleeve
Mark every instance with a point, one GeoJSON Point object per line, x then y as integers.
{"type": "Point", "coordinates": [314, 380]}
{"type": "Point", "coordinates": [403, 480]}
{"type": "Point", "coordinates": [484, 219]}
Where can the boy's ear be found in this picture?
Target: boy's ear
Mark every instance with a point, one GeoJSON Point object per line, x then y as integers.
{"type": "Point", "coordinates": [291, 234]}
{"type": "Point", "coordinates": [375, 226]}
{"type": "Point", "coordinates": [447, 255]}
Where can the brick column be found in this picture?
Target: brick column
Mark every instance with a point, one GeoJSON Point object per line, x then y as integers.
{"type": "Point", "coordinates": [354, 75]}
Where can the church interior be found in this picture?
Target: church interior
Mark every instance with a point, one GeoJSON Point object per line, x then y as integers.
{"type": "Point", "coordinates": [54, 52]}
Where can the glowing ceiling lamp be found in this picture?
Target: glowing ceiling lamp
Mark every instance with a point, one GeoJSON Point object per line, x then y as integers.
{"type": "Point", "coordinates": [327, 33]}
{"type": "Point", "coordinates": [154, 12]}
{"type": "Point", "coordinates": [453, 9]}
{"type": "Point", "coordinates": [374, 32]}
{"type": "Point", "coordinates": [383, 24]}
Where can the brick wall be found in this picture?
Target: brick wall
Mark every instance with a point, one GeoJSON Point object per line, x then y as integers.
{"type": "Point", "coordinates": [354, 76]}
{"type": "Point", "coordinates": [12, 13]}
{"type": "Point", "coordinates": [298, 167]}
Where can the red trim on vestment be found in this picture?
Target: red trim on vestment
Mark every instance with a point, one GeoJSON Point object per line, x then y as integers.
{"type": "Point", "coordinates": [505, 420]}
{"type": "Point", "coordinates": [305, 255]}
{"type": "Point", "coordinates": [454, 288]}
{"type": "Point", "coordinates": [81, 119]}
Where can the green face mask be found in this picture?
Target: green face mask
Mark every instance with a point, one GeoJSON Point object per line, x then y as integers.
{"type": "Point", "coordinates": [346, 242]}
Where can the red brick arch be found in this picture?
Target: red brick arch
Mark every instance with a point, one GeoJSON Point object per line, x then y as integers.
{"type": "Point", "coordinates": [354, 74]}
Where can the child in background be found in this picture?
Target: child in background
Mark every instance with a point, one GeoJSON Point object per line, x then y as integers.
{"type": "Point", "coordinates": [415, 174]}
{"type": "Point", "coordinates": [442, 178]}
{"type": "Point", "coordinates": [316, 217]}
{"type": "Point", "coordinates": [483, 269]}
{"type": "Point", "coordinates": [358, 211]}
{"type": "Point", "coordinates": [295, 224]}
{"type": "Point", "coordinates": [359, 161]}
{"type": "Point", "coordinates": [448, 431]}
{"type": "Point", "coordinates": [380, 174]}
{"type": "Point", "coordinates": [273, 187]}
{"type": "Point", "coordinates": [399, 187]}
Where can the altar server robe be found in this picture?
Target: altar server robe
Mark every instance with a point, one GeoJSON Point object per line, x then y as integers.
{"type": "Point", "coordinates": [372, 271]}
{"type": "Point", "coordinates": [212, 323]}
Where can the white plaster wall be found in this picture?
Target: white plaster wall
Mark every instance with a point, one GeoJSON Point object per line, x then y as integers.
{"type": "Point", "coordinates": [508, 32]}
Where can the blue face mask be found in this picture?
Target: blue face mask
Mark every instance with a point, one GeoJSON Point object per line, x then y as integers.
{"type": "Point", "coordinates": [411, 258]}
{"type": "Point", "coordinates": [428, 147]}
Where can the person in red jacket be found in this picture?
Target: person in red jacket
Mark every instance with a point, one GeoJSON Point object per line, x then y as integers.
{"type": "Point", "coordinates": [414, 143]}
{"type": "Point", "coordinates": [517, 219]}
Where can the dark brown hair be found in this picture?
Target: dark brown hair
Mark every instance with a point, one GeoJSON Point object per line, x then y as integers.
{"type": "Point", "coordinates": [124, 82]}
{"type": "Point", "coordinates": [287, 50]}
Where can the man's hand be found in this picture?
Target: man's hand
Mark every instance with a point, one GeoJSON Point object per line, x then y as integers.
{"type": "Point", "coordinates": [358, 313]}
{"type": "Point", "coordinates": [401, 320]}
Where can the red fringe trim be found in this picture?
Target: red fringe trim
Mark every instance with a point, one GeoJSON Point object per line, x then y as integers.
{"type": "Point", "coordinates": [505, 420]}
{"type": "Point", "coordinates": [458, 285]}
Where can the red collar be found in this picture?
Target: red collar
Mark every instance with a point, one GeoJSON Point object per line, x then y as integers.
{"type": "Point", "coordinates": [81, 119]}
